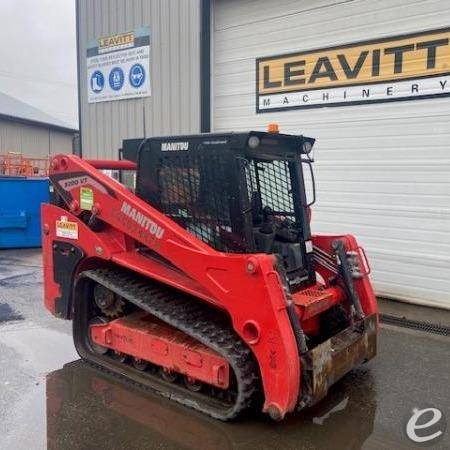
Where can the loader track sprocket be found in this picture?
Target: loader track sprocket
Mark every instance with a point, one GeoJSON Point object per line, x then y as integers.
{"type": "Point", "coordinates": [189, 315]}
{"type": "Point", "coordinates": [109, 303]}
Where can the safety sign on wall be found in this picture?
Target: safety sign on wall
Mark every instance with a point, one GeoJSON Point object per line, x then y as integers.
{"type": "Point", "coordinates": [118, 66]}
{"type": "Point", "coordinates": [407, 67]}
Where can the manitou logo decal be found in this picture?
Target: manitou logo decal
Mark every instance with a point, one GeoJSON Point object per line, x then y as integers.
{"type": "Point", "coordinates": [145, 222]}
{"type": "Point", "coordinates": [174, 146]}
{"type": "Point", "coordinates": [404, 67]}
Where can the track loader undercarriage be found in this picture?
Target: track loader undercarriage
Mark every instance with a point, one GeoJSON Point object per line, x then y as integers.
{"type": "Point", "coordinates": [233, 390]}
{"type": "Point", "coordinates": [206, 285]}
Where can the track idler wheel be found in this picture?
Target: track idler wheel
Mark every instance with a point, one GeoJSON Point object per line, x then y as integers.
{"type": "Point", "coordinates": [99, 349]}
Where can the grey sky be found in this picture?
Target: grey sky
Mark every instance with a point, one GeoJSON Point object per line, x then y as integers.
{"type": "Point", "coordinates": [38, 55]}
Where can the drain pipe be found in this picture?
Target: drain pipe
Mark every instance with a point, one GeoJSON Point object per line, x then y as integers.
{"type": "Point", "coordinates": [205, 66]}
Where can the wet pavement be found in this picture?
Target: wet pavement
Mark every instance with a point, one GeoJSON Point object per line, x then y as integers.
{"type": "Point", "coordinates": [50, 399]}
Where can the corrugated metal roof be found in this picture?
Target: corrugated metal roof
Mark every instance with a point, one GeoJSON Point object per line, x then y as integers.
{"type": "Point", "coordinates": [14, 109]}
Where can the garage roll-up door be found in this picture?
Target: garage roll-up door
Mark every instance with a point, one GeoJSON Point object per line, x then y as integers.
{"type": "Point", "coordinates": [382, 168]}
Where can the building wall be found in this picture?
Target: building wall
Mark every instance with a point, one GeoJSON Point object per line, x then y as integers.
{"type": "Point", "coordinates": [382, 170]}
{"type": "Point", "coordinates": [32, 140]}
{"type": "Point", "coordinates": [173, 107]}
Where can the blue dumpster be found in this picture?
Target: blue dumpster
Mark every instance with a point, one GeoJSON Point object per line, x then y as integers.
{"type": "Point", "coordinates": [20, 211]}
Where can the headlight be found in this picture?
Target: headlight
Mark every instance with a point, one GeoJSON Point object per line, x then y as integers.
{"type": "Point", "coordinates": [307, 147]}
{"type": "Point", "coordinates": [253, 142]}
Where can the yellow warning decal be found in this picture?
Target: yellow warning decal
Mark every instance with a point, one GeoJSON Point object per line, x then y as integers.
{"type": "Point", "coordinates": [66, 229]}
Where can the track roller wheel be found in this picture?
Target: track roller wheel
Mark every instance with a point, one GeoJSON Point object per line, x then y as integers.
{"type": "Point", "coordinates": [139, 364]}
{"type": "Point", "coordinates": [99, 349]}
{"type": "Point", "coordinates": [192, 384]}
{"type": "Point", "coordinates": [121, 357]}
{"type": "Point", "coordinates": [168, 375]}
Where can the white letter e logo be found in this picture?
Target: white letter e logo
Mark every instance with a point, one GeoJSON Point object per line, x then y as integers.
{"type": "Point", "coordinates": [412, 426]}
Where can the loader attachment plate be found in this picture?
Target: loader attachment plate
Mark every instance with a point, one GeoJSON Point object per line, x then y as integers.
{"type": "Point", "coordinates": [325, 364]}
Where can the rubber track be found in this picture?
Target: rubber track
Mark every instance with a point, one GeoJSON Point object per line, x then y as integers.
{"type": "Point", "coordinates": [194, 318]}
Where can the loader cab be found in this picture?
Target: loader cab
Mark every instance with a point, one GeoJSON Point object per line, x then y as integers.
{"type": "Point", "coordinates": [237, 192]}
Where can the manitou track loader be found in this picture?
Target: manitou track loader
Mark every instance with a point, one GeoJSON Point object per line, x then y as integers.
{"type": "Point", "coordinates": [203, 282]}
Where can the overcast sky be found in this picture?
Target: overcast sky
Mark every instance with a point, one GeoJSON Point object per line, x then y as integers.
{"type": "Point", "coordinates": [38, 55]}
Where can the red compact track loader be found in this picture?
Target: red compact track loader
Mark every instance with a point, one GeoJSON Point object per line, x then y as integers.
{"type": "Point", "coordinates": [203, 281]}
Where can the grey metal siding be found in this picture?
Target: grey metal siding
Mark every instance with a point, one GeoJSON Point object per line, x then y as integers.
{"type": "Point", "coordinates": [173, 107]}
{"type": "Point", "coordinates": [383, 171]}
{"type": "Point", "coordinates": [33, 141]}
{"type": "Point", "coordinates": [61, 142]}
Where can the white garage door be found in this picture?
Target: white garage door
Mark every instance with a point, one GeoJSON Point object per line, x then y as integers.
{"type": "Point", "coordinates": [382, 169]}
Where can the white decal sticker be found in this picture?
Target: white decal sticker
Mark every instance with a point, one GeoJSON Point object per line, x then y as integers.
{"type": "Point", "coordinates": [66, 229]}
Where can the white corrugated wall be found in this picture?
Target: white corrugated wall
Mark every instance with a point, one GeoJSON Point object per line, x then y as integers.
{"type": "Point", "coordinates": [173, 107]}
{"type": "Point", "coordinates": [383, 171]}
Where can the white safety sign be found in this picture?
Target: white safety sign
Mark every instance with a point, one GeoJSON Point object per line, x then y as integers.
{"type": "Point", "coordinates": [118, 66]}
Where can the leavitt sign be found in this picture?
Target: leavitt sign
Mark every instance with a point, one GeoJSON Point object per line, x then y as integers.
{"type": "Point", "coordinates": [407, 67]}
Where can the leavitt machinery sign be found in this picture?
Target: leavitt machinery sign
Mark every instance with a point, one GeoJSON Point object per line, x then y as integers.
{"type": "Point", "coordinates": [407, 67]}
{"type": "Point", "coordinates": [118, 66]}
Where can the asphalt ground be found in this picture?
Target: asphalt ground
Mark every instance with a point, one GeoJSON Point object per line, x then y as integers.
{"type": "Point", "coordinates": [51, 399]}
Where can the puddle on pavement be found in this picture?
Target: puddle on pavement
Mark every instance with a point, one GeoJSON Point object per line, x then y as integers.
{"type": "Point", "coordinates": [86, 408]}
{"type": "Point", "coordinates": [7, 314]}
